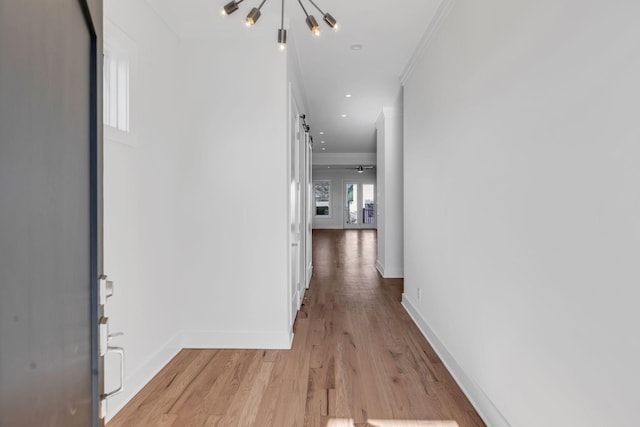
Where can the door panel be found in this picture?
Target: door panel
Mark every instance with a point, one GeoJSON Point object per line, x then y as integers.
{"type": "Point", "coordinates": [351, 217]}
{"type": "Point", "coordinates": [294, 204]}
{"type": "Point", "coordinates": [48, 214]}
{"type": "Point", "coordinates": [309, 194]}
{"type": "Point", "coordinates": [359, 205]}
{"type": "Point", "coordinates": [368, 205]}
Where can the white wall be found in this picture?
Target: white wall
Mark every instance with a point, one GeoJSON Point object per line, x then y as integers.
{"type": "Point", "coordinates": [338, 179]}
{"type": "Point", "coordinates": [522, 148]}
{"type": "Point", "coordinates": [234, 206]}
{"type": "Point", "coordinates": [141, 187]}
{"type": "Point", "coordinates": [196, 230]}
{"type": "Point", "coordinates": [390, 261]}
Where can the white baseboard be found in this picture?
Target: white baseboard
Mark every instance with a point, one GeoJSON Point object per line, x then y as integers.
{"type": "Point", "coordinates": [295, 306]}
{"type": "Point", "coordinates": [235, 339]}
{"type": "Point", "coordinates": [380, 267]}
{"type": "Point", "coordinates": [138, 379]}
{"type": "Point", "coordinates": [480, 401]}
{"type": "Point", "coordinates": [389, 273]}
{"type": "Point", "coordinates": [309, 274]}
{"type": "Point", "coordinates": [393, 273]}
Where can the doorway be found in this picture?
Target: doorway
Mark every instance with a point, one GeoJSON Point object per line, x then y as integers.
{"type": "Point", "coordinates": [359, 205]}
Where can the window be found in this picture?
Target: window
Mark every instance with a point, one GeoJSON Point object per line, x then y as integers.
{"type": "Point", "coordinates": [323, 198]}
{"type": "Point", "coordinates": [116, 90]}
{"type": "Point", "coordinates": [118, 81]}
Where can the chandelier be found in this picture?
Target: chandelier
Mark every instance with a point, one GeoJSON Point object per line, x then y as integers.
{"type": "Point", "coordinates": [254, 15]}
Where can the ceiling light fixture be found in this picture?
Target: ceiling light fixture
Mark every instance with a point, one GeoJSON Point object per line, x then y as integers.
{"type": "Point", "coordinates": [311, 21]}
{"type": "Point", "coordinates": [254, 15]}
{"type": "Point", "coordinates": [231, 7]}
{"type": "Point", "coordinates": [361, 169]}
{"type": "Point", "coordinates": [330, 20]}
{"type": "Point", "coordinates": [348, 95]}
{"type": "Point", "coordinates": [282, 33]}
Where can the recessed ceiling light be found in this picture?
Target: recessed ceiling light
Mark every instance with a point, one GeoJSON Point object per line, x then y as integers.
{"type": "Point", "coordinates": [356, 47]}
{"type": "Point", "coordinates": [344, 116]}
{"type": "Point", "coordinates": [322, 142]}
{"type": "Point", "coordinates": [348, 95]}
{"type": "Point", "coordinates": [328, 167]}
{"type": "Point", "coordinates": [321, 133]}
{"type": "Point", "coordinates": [323, 148]}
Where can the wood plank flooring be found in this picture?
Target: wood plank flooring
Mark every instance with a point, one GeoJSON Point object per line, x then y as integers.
{"type": "Point", "coordinates": [357, 360]}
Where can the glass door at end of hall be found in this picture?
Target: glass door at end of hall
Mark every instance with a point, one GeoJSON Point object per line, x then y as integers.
{"type": "Point", "coordinates": [359, 205]}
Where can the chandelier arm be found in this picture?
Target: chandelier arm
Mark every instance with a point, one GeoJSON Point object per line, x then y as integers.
{"type": "Point", "coordinates": [316, 6]}
{"type": "Point", "coordinates": [282, 15]}
{"type": "Point", "coordinates": [303, 9]}
{"type": "Point", "coordinates": [261, 4]}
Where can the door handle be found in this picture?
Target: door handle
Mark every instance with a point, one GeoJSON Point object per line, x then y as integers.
{"type": "Point", "coordinates": [113, 335]}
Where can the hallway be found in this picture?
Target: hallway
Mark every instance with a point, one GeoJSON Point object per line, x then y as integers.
{"type": "Point", "coordinates": [357, 359]}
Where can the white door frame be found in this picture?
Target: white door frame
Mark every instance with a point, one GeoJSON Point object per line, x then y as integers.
{"type": "Point", "coordinates": [293, 156]}
{"type": "Point", "coordinates": [309, 210]}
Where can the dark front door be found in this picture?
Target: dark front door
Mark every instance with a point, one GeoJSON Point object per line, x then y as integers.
{"type": "Point", "coordinates": [49, 216]}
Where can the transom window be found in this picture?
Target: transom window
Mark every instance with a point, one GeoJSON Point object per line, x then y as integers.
{"type": "Point", "coordinates": [116, 90]}
{"type": "Point", "coordinates": [119, 83]}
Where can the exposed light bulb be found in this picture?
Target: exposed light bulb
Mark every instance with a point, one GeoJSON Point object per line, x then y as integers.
{"type": "Point", "coordinates": [313, 25]}
{"type": "Point", "coordinates": [253, 16]}
{"type": "Point", "coordinates": [331, 21]}
{"type": "Point", "coordinates": [230, 7]}
{"type": "Point", "coordinates": [282, 38]}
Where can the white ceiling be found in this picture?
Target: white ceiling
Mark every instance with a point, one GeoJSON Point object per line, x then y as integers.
{"type": "Point", "coordinates": [388, 31]}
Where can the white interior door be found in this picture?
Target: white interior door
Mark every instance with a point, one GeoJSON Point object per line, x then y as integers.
{"type": "Point", "coordinates": [308, 264]}
{"type": "Point", "coordinates": [294, 207]}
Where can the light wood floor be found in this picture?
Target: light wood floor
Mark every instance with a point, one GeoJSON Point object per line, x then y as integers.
{"type": "Point", "coordinates": [357, 359]}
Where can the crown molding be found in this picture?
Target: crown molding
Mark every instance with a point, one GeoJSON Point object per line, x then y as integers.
{"type": "Point", "coordinates": [433, 27]}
